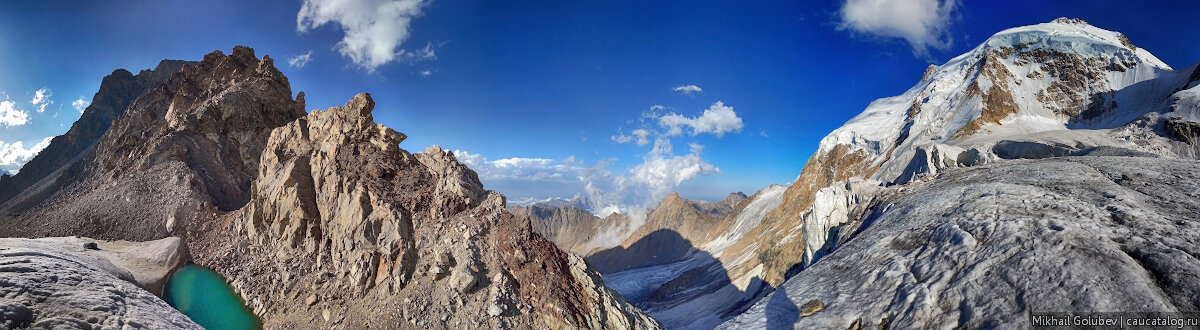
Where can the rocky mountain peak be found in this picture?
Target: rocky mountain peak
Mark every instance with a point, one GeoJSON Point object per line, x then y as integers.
{"type": "Point", "coordinates": [65, 152]}
{"type": "Point", "coordinates": [325, 205]}
{"type": "Point", "coordinates": [184, 140]}
{"type": "Point", "coordinates": [335, 191]}
{"type": "Point", "coordinates": [1066, 36]}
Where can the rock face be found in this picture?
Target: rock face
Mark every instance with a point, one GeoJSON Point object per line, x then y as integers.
{"type": "Point", "coordinates": [185, 150]}
{"type": "Point", "coordinates": [57, 283]}
{"type": "Point", "coordinates": [387, 238]}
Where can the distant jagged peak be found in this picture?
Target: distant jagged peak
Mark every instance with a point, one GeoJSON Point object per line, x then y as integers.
{"type": "Point", "coordinates": [734, 198]}
{"type": "Point", "coordinates": [1064, 20]}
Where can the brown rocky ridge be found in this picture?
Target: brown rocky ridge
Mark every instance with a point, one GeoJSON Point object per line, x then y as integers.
{"type": "Point", "coordinates": [317, 219]}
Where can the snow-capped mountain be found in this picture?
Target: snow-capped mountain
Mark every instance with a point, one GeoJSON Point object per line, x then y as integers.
{"type": "Point", "coordinates": [1063, 88]}
{"type": "Point", "coordinates": [1054, 89]}
{"type": "Point", "coordinates": [1057, 76]}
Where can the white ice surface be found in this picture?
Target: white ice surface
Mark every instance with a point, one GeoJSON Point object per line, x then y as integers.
{"type": "Point", "coordinates": [57, 283]}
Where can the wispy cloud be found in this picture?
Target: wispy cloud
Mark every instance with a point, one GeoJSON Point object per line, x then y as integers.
{"type": "Point", "coordinates": [41, 99]}
{"type": "Point", "coordinates": [621, 138]}
{"type": "Point", "coordinates": [299, 61]}
{"type": "Point", "coordinates": [80, 104]}
{"type": "Point", "coordinates": [922, 23]}
{"type": "Point", "coordinates": [687, 89]}
{"type": "Point", "coordinates": [642, 135]}
{"type": "Point", "coordinates": [374, 29]}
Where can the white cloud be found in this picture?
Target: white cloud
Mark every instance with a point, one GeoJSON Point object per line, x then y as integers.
{"type": "Point", "coordinates": [299, 61]}
{"type": "Point", "coordinates": [374, 29]}
{"type": "Point", "coordinates": [425, 73]}
{"type": "Point", "coordinates": [636, 193]}
{"type": "Point", "coordinates": [923, 23]}
{"type": "Point", "coordinates": [687, 89]}
{"type": "Point", "coordinates": [15, 155]}
{"type": "Point", "coordinates": [718, 119]}
{"type": "Point", "coordinates": [79, 104]}
{"type": "Point", "coordinates": [11, 116]}
{"type": "Point", "coordinates": [41, 99]}
{"type": "Point", "coordinates": [518, 168]}
{"type": "Point", "coordinates": [422, 54]}
{"type": "Point", "coordinates": [661, 171]}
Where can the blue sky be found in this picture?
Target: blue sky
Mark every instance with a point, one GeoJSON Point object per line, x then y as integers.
{"type": "Point", "coordinates": [538, 96]}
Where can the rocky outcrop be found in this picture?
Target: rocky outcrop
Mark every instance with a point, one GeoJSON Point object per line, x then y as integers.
{"type": "Point", "coordinates": [77, 283]}
{"type": "Point", "coordinates": [1186, 131]}
{"type": "Point", "coordinates": [345, 228]}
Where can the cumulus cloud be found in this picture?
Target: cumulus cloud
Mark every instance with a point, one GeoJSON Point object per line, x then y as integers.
{"type": "Point", "coordinates": [718, 119]}
{"type": "Point", "coordinates": [922, 23]}
{"type": "Point", "coordinates": [41, 99]}
{"type": "Point", "coordinates": [80, 104]}
{"type": "Point", "coordinates": [11, 116]}
{"type": "Point", "coordinates": [299, 61]}
{"type": "Point", "coordinates": [374, 29]}
{"type": "Point", "coordinates": [638, 191]}
{"type": "Point", "coordinates": [661, 170]}
{"type": "Point", "coordinates": [14, 155]}
{"type": "Point", "coordinates": [687, 89]}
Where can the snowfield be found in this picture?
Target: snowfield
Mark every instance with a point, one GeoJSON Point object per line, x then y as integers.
{"type": "Point", "coordinates": [57, 283]}
{"type": "Point", "coordinates": [982, 247]}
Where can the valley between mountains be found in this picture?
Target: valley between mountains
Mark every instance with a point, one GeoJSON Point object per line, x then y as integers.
{"type": "Point", "coordinates": [1053, 168]}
